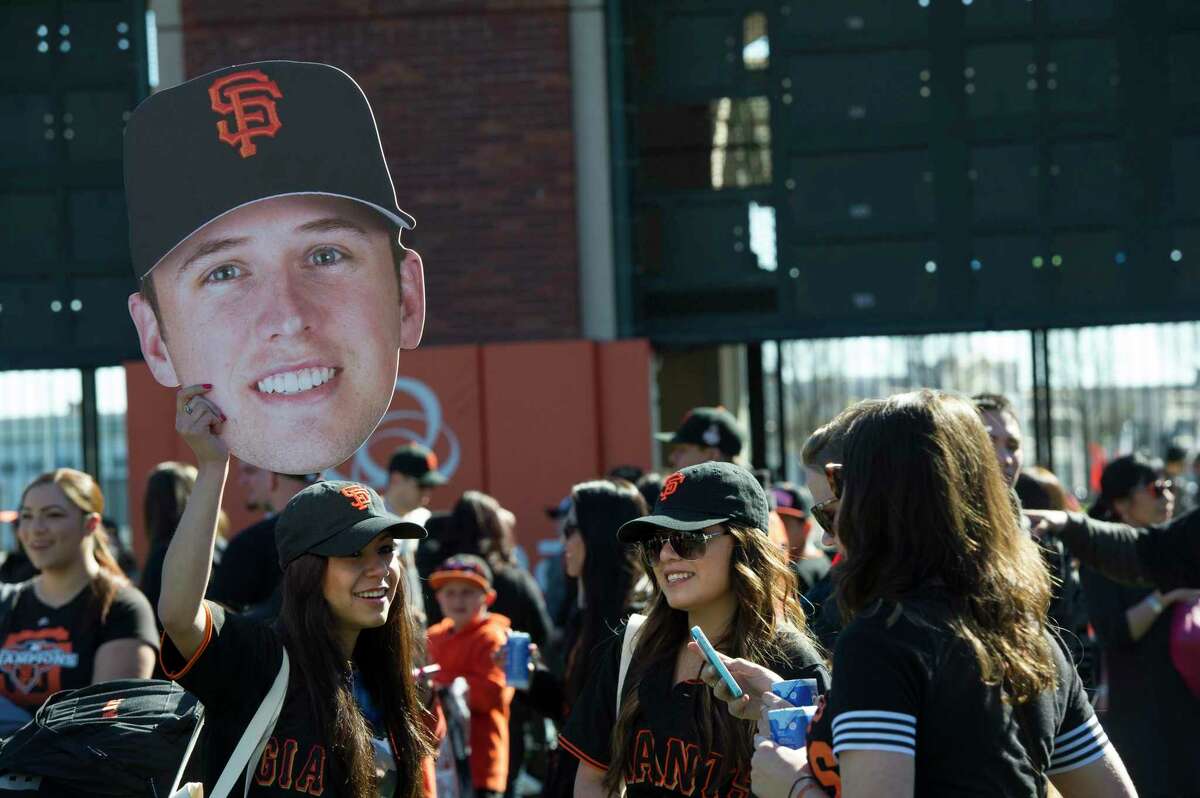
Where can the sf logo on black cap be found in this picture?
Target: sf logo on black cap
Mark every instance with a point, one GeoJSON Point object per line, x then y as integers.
{"type": "Point", "coordinates": [360, 498]}
{"type": "Point", "coordinates": [670, 485]}
{"type": "Point", "coordinates": [250, 97]}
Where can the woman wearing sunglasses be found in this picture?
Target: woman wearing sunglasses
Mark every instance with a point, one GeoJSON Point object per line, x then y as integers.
{"type": "Point", "coordinates": [1152, 715]}
{"type": "Point", "coordinates": [712, 566]}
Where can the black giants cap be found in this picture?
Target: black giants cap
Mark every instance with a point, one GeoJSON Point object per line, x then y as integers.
{"type": "Point", "coordinates": [708, 426]}
{"type": "Point", "coordinates": [418, 462]}
{"type": "Point", "coordinates": [336, 519]}
{"type": "Point", "coordinates": [247, 133]}
{"type": "Point", "coordinates": [700, 496]}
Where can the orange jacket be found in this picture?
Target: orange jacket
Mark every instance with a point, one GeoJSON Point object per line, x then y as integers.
{"type": "Point", "coordinates": [468, 653]}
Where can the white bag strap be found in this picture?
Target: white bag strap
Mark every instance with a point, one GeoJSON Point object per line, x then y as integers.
{"type": "Point", "coordinates": [628, 644]}
{"type": "Point", "coordinates": [245, 756]}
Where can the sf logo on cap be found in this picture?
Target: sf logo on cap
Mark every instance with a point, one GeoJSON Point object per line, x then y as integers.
{"type": "Point", "coordinates": [359, 498]}
{"type": "Point", "coordinates": [670, 485]}
{"type": "Point", "coordinates": [250, 97]}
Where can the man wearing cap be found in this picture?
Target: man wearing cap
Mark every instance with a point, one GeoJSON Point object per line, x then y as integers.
{"type": "Point", "coordinates": [264, 231]}
{"type": "Point", "coordinates": [706, 434]}
{"type": "Point", "coordinates": [249, 574]}
{"type": "Point", "coordinates": [412, 476]}
{"type": "Point", "coordinates": [809, 563]}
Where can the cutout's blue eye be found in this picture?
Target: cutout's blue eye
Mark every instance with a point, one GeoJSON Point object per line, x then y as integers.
{"type": "Point", "coordinates": [326, 256]}
{"type": "Point", "coordinates": [223, 273]}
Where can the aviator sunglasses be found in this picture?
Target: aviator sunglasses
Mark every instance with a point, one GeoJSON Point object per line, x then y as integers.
{"type": "Point", "coordinates": [822, 512]}
{"type": "Point", "coordinates": [688, 545]}
{"type": "Point", "coordinates": [1159, 487]}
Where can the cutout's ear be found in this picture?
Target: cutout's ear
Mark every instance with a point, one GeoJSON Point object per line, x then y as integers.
{"type": "Point", "coordinates": [491, 598]}
{"type": "Point", "coordinates": [412, 300]}
{"type": "Point", "coordinates": [154, 348]}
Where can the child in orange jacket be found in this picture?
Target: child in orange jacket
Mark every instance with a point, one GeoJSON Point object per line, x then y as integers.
{"type": "Point", "coordinates": [463, 644]}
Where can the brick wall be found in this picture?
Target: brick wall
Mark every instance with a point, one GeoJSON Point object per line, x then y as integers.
{"type": "Point", "coordinates": [473, 101]}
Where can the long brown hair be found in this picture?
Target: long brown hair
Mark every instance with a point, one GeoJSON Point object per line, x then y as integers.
{"type": "Point", "coordinates": [82, 491]}
{"type": "Point", "coordinates": [765, 617]}
{"type": "Point", "coordinates": [924, 503]}
{"type": "Point", "coordinates": [384, 660]}
{"type": "Point", "coordinates": [168, 488]}
{"type": "Point", "coordinates": [476, 528]}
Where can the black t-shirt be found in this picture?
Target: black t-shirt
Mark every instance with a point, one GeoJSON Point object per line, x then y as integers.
{"type": "Point", "coordinates": [47, 649]}
{"type": "Point", "coordinates": [231, 673]}
{"type": "Point", "coordinates": [666, 760]}
{"type": "Point", "coordinates": [905, 683]}
{"type": "Point", "coordinates": [249, 570]}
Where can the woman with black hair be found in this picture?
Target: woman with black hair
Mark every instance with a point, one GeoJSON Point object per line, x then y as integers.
{"type": "Point", "coordinates": [343, 626]}
{"type": "Point", "coordinates": [1152, 715]}
{"type": "Point", "coordinates": [607, 574]}
{"type": "Point", "coordinates": [649, 726]}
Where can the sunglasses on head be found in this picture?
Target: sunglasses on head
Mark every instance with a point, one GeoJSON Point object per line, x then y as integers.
{"type": "Point", "coordinates": [687, 545]}
{"type": "Point", "coordinates": [822, 512]}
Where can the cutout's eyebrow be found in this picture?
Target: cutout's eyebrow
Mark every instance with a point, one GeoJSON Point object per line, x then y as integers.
{"type": "Point", "coordinates": [331, 224]}
{"type": "Point", "coordinates": [210, 247]}
{"type": "Point", "coordinates": [27, 508]}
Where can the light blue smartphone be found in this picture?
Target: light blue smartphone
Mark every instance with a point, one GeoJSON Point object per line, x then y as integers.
{"type": "Point", "coordinates": [710, 654]}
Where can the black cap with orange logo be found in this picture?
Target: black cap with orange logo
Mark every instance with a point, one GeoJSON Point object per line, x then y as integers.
{"type": "Point", "coordinates": [701, 496]}
{"type": "Point", "coordinates": [418, 462]}
{"type": "Point", "coordinates": [336, 519]}
{"type": "Point", "coordinates": [246, 133]}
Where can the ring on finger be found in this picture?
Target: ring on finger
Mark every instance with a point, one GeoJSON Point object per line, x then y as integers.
{"type": "Point", "coordinates": [187, 408]}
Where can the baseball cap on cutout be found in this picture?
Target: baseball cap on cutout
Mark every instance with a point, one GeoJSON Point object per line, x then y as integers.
{"type": "Point", "coordinates": [336, 519]}
{"type": "Point", "coordinates": [418, 462]}
{"type": "Point", "coordinates": [465, 567]}
{"type": "Point", "coordinates": [242, 134]}
{"type": "Point", "coordinates": [708, 426]}
{"type": "Point", "coordinates": [700, 496]}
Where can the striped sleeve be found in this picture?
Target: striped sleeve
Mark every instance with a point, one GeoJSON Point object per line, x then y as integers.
{"type": "Point", "coordinates": [1078, 747]}
{"type": "Point", "coordinates": [875, 730]}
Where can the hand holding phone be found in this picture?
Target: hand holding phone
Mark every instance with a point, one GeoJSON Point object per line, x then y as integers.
{"type": "Point", "coordinates": [710, 654]}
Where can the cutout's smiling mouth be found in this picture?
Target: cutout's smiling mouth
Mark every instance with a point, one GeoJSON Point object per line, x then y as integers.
{"type": "Point", "coordinates": [287, 383]}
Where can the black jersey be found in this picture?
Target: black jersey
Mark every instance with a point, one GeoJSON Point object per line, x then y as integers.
{"type": "Point", "coordinates": [906, 683]}
{"type": "Point", "coordinates": [667, 759]}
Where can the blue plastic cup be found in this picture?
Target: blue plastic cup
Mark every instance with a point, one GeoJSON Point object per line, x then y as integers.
{"type": "Point", "coordinates": [797, 692]}
{"type": "Point", "coordinates": [516, 663]}
{"type": "Point", "coordinates": [789, 727]}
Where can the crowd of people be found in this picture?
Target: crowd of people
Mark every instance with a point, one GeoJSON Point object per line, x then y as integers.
{"type": "Point", "coordinates": [969, 630]}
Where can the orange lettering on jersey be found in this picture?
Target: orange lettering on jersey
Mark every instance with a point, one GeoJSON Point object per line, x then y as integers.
{"type": "Point", "coordinates": [679, 766]}
{"type": "Point", "coordinates": [824, 766]}
{"type": "Point", "coordinates": [643, 765]}
{"type": "Point", "coordinates": [711, 765]}
{"type": "Point", "coordinates": [741, 785]}
{"type": "Point", "coordinates": [287, 761]}
{"type": "Point", "coordinates": [268, 765]}
{"type": "Point", "coordinates": [311, 780]}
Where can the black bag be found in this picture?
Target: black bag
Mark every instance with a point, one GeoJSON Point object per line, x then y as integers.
{"type": "Point", "coordinates": [127, 739]}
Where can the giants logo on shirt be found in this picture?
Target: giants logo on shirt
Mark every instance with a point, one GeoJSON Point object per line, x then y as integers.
{"type": "Point", "coordinates": [277, 767]}
{"type": "Point", "coordinates": [681, 768]}
{"type": "Point", "coordinates": [32, 660]}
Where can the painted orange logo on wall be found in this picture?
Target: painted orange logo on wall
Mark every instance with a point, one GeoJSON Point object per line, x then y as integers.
{"type": "Point", "coordinates": [360, 498]}
{"type": "Point", "coordinates": [249, 97]}
{"type": "Point", "coordinates": [671, 485]}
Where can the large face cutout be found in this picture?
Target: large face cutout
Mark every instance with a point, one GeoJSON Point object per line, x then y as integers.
{"type": "Point", "coordinates": [294, 309]}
